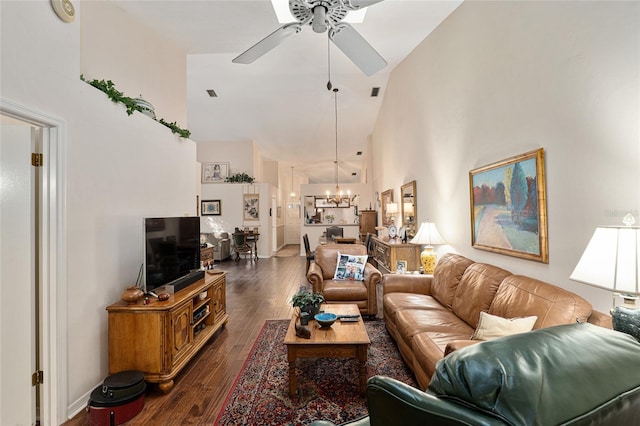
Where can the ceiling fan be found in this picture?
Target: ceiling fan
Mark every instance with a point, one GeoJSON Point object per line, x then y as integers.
{"type": "Point", "coordinates": [323, 15]}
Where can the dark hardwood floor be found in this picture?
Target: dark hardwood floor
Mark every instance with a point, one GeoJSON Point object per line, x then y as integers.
{"type": "Point", "coordinates": [256, 291]}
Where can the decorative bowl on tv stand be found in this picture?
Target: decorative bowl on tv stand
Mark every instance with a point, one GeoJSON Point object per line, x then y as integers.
{"type": "Point", "coordinates": [132, 294]}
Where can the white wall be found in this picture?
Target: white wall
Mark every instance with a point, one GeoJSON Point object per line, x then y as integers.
{"type": "Point", "coordinates": [119, 169]}
{"type": "Point", "coordinates": [118, 48]}
{"type": "Point", "coordinates": [497, 79]}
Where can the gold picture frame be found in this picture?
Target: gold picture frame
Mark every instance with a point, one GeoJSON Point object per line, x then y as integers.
{"type": "Point", "coordinates": [509, 207]}
{"type": "Point", "coordinates": [385, 198]}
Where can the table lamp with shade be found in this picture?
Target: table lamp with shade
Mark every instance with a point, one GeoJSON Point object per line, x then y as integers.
{"type": "Point", "coordinates": [611, 261]}
{"type": "Point", "coordinates": [428, 235]}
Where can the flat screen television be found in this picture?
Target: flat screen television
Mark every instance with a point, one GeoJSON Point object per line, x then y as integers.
{"type": "Point", "coordinates": [171, 251]}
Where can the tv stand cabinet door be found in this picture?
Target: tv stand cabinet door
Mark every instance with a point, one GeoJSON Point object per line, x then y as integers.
{"type": "Point", "coordinates": [181, 332]}
{"type": "Point", "coordinates": [219, 301]}
{"type": "Point", "coordinates": [133, 341]}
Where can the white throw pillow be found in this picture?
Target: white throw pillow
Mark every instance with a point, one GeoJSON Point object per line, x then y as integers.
{"type": "Point", "coordinates": [491, 326]}
{"type": "Point", "coordinates": [350, 267]}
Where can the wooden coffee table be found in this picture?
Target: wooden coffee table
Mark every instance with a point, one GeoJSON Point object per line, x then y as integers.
{"type": "Point", "coordinates": [341, 340]}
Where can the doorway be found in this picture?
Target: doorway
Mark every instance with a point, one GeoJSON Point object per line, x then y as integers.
{"type": "Point", "coordinates": [32, 296]}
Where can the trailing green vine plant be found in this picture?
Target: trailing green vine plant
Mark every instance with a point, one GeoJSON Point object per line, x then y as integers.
{"type": "Point", "coordinates": [116, 96]}
{"type": "Point", "coordinates": [240, 178]}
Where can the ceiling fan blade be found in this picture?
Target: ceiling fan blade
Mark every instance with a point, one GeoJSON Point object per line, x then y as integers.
{"type": "Point", "coordinates": [268, 43]}
{"type": "Point", "coordinates": [359, 4]}
{"type": "Point", "coordinates": [356, 48]}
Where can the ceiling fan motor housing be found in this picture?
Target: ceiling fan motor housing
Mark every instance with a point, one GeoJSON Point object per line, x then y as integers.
{"type": "Point", "coordinates": [318, 13]}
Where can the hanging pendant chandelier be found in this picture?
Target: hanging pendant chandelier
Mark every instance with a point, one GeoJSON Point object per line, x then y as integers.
{"type": "Point", "coordinates": [338, 197]}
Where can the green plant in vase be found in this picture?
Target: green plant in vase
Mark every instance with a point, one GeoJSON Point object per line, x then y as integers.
{"type": "Point", "coordinates": [307, 301]}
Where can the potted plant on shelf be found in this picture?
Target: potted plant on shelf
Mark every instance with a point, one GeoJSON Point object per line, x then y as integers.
{"type": "Point", "coordinates": [307, 301]}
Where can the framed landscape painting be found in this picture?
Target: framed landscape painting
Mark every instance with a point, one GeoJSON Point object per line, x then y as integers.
{"type": "Point", "coordinates": [509, 207]}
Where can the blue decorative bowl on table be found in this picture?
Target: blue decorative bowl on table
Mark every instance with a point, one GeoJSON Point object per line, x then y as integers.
{"type": "Point", "coordinates": [325, 319]}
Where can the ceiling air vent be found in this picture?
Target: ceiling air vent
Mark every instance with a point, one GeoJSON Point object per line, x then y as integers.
{"type": "Point", "coordinates": [354, 174]}
{"type": "Point", "coordinates": [359, 153]}
{"type": "Point", "coordinates": [374, 92]}
{"type": "Point", "coordinates": [212, 93]}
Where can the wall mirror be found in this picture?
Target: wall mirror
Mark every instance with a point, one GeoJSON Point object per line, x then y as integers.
{"type": "Point", "coordinates": [409, 206]}
{"type": "Point", "coordinates": [386, 198]}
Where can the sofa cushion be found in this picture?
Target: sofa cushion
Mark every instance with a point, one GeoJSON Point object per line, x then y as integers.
{"type": "Point", "coordinates": [492, 327]}
{"type": "Point", "coordinates": [395, 302]}
{"type": "Point", "coordinates": [350, 267]}
{"type": "Point", "coordinates": [446, 277]}
{"type": "Point", "coordinates": [549, 376]}
{"type": "Point", "coordinates": [520, 296]}
{"type": "Point", "coordinates": [476, 291]}
{"type": "Point", "coordinates": [410, 322]}
{"type": "Point", "coordinates": [344, 290]}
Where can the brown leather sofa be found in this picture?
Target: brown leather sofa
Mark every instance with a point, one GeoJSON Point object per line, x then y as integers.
{"type": "Point", "coordinates": [430, 316]}
{"type": "Point", "coordinates": [322, 270]}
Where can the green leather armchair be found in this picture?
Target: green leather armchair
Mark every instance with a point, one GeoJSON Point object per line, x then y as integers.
{"type": "Point", "coordinates": [576, 374]}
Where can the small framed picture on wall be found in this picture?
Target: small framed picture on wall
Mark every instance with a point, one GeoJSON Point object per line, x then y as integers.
{"type": "Point", "coordinates": [214, 172]}
{"type": "Point", "coordinates": [211, 208]}
{"type": "Point", "coordinates": [251, 207]}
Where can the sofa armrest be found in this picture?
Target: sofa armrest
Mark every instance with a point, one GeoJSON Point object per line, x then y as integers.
{"type": "Point", "coordinates": [314, 277]}
{"type": "Point", "coordinates": [601, 319]}
{"type": "Point", "coordinates": [392, 402]}
{"type": "Point", "coordinates": [371, 275]}
{"type": "Point", "coordinates": [455, 345]}
{"type": "Point", "coordinates": [406, 283]}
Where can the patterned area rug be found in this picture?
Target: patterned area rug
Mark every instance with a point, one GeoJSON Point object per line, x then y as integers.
{"type": "Point", "coordinates": [327, 388]}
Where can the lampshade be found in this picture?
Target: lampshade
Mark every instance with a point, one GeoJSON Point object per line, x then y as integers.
{"type": "Point", "coordinates": [392, 208]}
{"type": "Point", "coordinates": [428, 234]}
{"type": "Point", "coordinates": [408, 208]}
{"type": "Point", "coordinates": [611, 260]}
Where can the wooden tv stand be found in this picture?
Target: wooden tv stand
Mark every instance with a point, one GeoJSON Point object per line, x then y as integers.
{"type": "Point", "coordinates": [160, 338]}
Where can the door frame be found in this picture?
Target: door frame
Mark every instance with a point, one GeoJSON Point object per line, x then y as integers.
{"type": "Point", "coordinates": [53, 255]}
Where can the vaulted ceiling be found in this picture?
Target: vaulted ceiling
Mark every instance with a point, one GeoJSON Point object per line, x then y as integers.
{"type": "Point", "coordinates": [281, 101]}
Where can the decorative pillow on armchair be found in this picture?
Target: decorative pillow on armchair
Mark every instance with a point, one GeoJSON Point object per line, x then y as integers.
{"type": "Point", "coordinates": [350, 267]}
{"type": "Point", "coordinates": [492, 327]}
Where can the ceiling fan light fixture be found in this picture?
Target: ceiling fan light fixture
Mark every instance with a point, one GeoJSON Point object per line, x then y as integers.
{"type": "Point", "coordinates": [284, 15]}
{"type": "Point", "coordinates": [324, 16]}
{"type": "Point", "coordinates": [319, 19]}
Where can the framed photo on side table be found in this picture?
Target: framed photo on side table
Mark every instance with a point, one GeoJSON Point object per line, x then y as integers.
{"type": "Point", "coordinates": [214, 172]}
{"type": "Point", "coordinates": [211, 208]}
{"type": "Point", "coordinates": [401, 266]}
{"type": "Point", "coordinates": [509, 207]}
